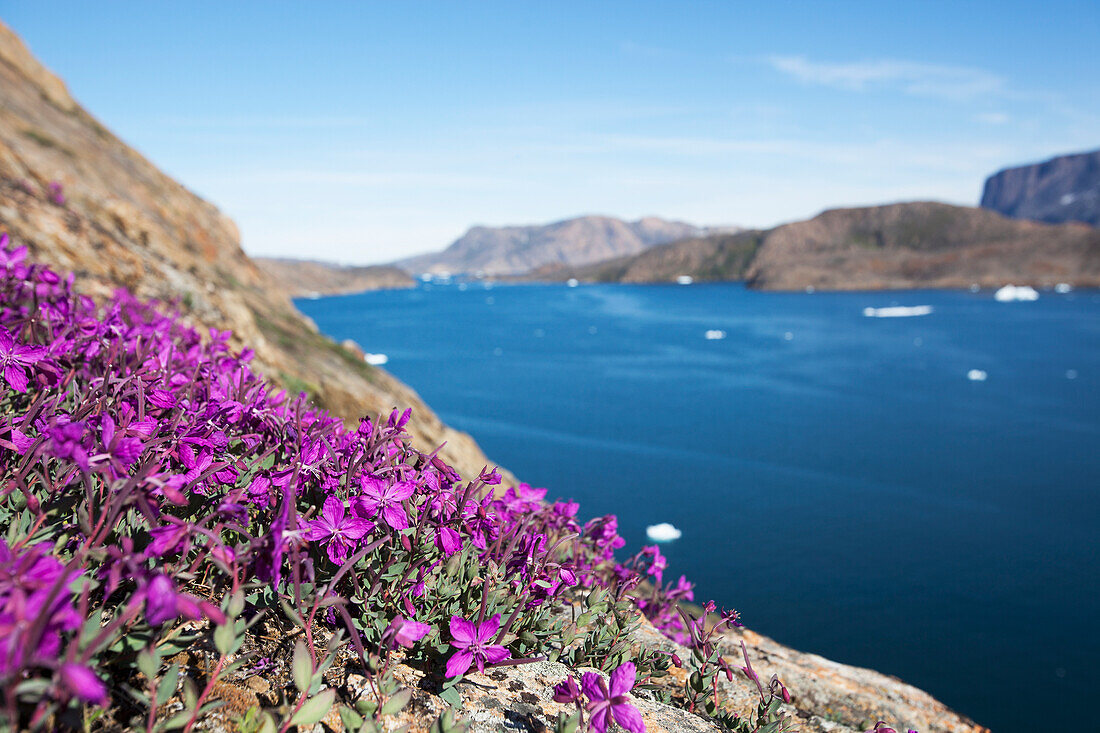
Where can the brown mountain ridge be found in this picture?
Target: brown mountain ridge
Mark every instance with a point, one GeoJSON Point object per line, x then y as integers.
{"type": "Point", "coordinates": [921, 244]}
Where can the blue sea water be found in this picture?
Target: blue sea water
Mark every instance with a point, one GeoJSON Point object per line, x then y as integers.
{"type": "Point", "coordinates": [838, 478]}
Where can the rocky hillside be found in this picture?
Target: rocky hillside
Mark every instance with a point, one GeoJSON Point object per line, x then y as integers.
{"type": "Point", "coordinates": [66, 181]}
{"type": "Point", "coordinates": [1066, 188]}
{"type": "Point", "coordinates": [303, 278]}
{"type": "Point", "coordinates": [920, 244]}
{"type": "Point", "coordinates": [519, 249]}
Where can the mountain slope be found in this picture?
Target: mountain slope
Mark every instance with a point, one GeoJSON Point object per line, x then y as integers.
{"type": "Point", "coordinates": [519, 249]}
{"type": "Point", "coordinates": [918, 244]}
{"type": "Point", "coordinates": [302, 278]}
{"type": "Point", "coordinates": [1066, 188]}
{"type": "Point", "coordinates": [117, 221]}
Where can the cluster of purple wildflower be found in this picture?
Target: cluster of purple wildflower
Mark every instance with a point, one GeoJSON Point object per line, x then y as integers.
{"type": "Point", "coordinates": [148, 476]}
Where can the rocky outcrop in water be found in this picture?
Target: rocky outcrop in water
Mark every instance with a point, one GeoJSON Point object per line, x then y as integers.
{"type": "Point", "coordinates": [1066, 188]}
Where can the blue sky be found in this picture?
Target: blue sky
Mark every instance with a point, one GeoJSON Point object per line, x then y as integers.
{"type": "Point", "coordinates": [363, 132]}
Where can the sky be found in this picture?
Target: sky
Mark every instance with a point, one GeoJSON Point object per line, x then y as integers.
{"type": "Point", "coordinates": [366, 132]}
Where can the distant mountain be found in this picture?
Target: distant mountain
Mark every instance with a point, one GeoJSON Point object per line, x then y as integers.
{"type": "Point", "coordinates": [1066, 188]}
{"type": "Point", "coordinates": [908, 245]}
{"type": "Point", "coordinates": [311, 277]}
{"type": "Point", "coordinates": [518, 249]}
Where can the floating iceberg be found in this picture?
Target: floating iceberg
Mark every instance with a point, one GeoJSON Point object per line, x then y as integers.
{"type": "Point", "coordinates": [714, 334]}
{"type": "Point", "coordinates": [1063, 288]}
{"type": "Point", "coordinates": [375, 359]}
{"type": "Point", "coordinates": [1012, 292]}
{"type": "Point", "coordinates": [663, 532]}
{"type": "Point", "coordinates": [572, 282]}
{"type": "Point", "coordinates": [976, 375]}
{"type": "Point", "coordinates": [898, 311]}
{"type": "Point", "coordinates": [685, 280]}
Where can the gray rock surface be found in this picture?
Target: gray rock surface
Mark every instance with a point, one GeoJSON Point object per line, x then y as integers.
{"type": "Point", "coordinates": [1062, 189]}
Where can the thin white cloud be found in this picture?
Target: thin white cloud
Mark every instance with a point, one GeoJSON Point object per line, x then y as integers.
{"type": "Point", "coordinates": [993, 118]}
{"type": "Point", "coordinates": [909, 77]}
{"type": "Point", "coordinates": [264, 123]}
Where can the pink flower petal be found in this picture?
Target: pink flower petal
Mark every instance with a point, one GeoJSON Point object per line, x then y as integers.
{"type": "Point", "coordinates": [622, 679]}
{"type": "Point", "coordinates": [459, 663]}
{"type": "Point", "coordinates": [462, 631]}
{"type": "Point", "coordinates": [628, 717]}
{"type": "Point", "coordinates": [395, 517]}
{"type": "Point", "coordinates": [488, 628]}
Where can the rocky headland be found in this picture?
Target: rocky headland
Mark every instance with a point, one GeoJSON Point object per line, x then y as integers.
{"type": "Point", "coordinates": [1062, 189]}
{"type": "Point", "coordinates": [305, 278]}
{"type": "Point", "coordinates": [920, 244]}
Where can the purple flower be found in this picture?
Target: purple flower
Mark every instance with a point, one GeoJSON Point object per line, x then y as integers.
{"type": "Point", "coordinates": [448, 540]}
{"type": "Point", "coordinates": [378, 498]}
{"type": "Point", "coordinates": [603, 705]}
{"type": "Point", "coordinates": [338, 529]}
{"type": "Point", "coordinates": [472, 642]}
{"type": "Point", "coordinates": [406, 633]}
{"type": "Point", "coordinates": [567, 691]}
{"type": "Point", "coordinates": [163, 603]}
{"type": "Point", "coordinates": [83, 683]}
{"type": "Point", "coordinates": [67, 441]}
{"type": "Point", "coordinates": [16, 359]}
{"type": "Point", "coordinates": [269, 553]}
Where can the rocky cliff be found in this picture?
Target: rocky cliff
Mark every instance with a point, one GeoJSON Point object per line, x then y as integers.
{"type": "Point", "coordinates": [303, 278]}
{"type": "Point", "coordinates": [84, 201]}
{"type": "Point", "coordinates": [1066, 188]}
{"type": "Point", "coordinates": [518, 249]}
{"type": "Point", "coordinates": [908, 245]}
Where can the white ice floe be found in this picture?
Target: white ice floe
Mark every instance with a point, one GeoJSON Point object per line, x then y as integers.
{"type": "Point", "coordinates": [1013, 292]}
{"type": "Point", "coordinates": [976, 375]}
{"type": "Point", "coordinates": [898, 311]}
{"type": "Point", "coordinates": [375, 359]}
{"type": "Point", "coordinates": [714, 334]}
{"type": "Point", "coordinates": [313, 295]}
{"type": "Point", "coordinates": [663, 532]}
{"type": "Point", "coordinates": [1063, 288]}
{"type": "Point", "coordinates": [788, 336]}
{"type": "Point", "coordinates": [1071, 374]}
{"type": "Point", "coordinates": [572, 282]}
{"type": "Point", "coordinates": [685, 280]}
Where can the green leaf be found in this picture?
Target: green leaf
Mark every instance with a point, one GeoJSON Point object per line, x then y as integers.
{"type": "Point", "coordinates": [397, 702]}
{"type": "Point", "coordinates": [268, 724]}
{"type": "Point", "coordinates": [235, 606]}
{"type": "Point", "coordinates": [190, 694]}
{"type": "Point", "coordinates": [292, 614]}
{"type": "Point", "coordinates": [302, 667]}
{"type": "Point", "coordinates": [451, 696]}
{"type": "Point", "coordinates": [148, 662]}
{"type": "Point", "coordinates": [315, 709]}
{"type": "Point", "coordinates": [225, 639]}
{"type": "Point", "coordinates": [352, 720]}
{"type": "Point", "coordinates": [32, 690]}
{"type": "Point", "coordinates": [167, 686]}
